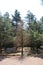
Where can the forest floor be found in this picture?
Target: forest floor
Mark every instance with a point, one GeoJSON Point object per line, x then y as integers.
{"type": "Point", "coordinates": [17, 60]}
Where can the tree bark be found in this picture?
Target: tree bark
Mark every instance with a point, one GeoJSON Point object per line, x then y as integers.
{"type": "Point", "coordinates": [22, 43]}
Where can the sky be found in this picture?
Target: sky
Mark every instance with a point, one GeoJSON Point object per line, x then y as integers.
{"type": "Point", "coordinates": [23, 6]}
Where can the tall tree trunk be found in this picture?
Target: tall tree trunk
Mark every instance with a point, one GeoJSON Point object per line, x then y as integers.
{"type": "Point", "coordinates": [22, 43]}
{"type": "Point", "coordinates": [37, 50]}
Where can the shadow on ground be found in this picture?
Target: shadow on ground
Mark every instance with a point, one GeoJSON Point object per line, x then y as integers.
{"type": "Point", "coordinates": [22, 58]}
{"type": "Point", "coordinates": [2, 57]}
{"type": "Point", "coordinates": [39, 55]}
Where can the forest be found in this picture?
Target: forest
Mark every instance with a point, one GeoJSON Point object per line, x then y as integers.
{"type": "Point", "coordinates": [14, 33]}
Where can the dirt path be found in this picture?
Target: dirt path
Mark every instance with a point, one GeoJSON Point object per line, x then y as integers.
{"type": "Point", "coordinates": [19, 61]}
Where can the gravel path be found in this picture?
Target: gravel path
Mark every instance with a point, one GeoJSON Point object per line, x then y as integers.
{"type": "Point", "coordinates": [24, 61]}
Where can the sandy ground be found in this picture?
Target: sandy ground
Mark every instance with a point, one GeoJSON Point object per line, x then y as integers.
{"type": "Point", "coordinates": [18, 61]}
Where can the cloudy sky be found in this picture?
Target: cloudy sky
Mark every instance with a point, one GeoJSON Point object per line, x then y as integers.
{"type": "Point", "coordinates": [23, 6]}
